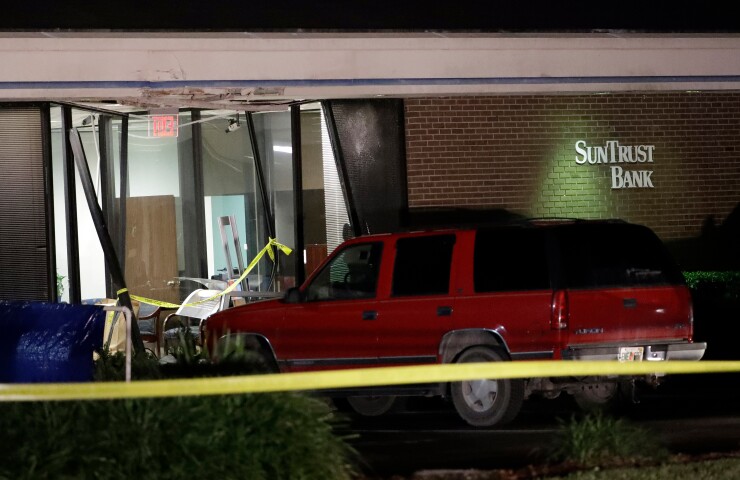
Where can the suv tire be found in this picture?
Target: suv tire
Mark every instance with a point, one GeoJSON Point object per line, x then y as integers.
{"type": "Point", "coordinates": [486, 402]}
{"type": "Point", "coordinates": [610, 397]}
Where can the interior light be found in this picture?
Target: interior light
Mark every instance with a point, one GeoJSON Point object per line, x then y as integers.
{"type": "Point", "coordinates": [282, 149]}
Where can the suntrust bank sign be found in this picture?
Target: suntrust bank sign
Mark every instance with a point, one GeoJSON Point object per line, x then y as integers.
{"type": "Point", "coordinates": [619, 158]}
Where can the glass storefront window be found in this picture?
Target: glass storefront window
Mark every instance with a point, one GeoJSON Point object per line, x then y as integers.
{"type": "Point", "coordinates": [231, 189]}
{"type": "Point", "coordinates": [92, 263]}
{"type": "Point", "coordinates": [60, 216]}
{"type": "Point", "coordinates": [324, 209]}
{"type": "Point", "coordinates": [314, 202]}
{"type": "Point", "coordinates": [177, 189]}
{"type": "Point", "coordinates": [274, 141]}
{"type": "Point", "coordinates": [154, 227]}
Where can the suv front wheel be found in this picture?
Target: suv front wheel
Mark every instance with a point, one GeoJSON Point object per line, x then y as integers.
{"type": "Point", "coordinates": [486, 402]}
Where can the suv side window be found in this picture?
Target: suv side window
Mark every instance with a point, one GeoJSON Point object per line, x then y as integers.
{"type": "Point", "coordinates": [615, 256]}
{"type": "Point", "coordinates": [423, 265]}
{"type": "Point", "coordinates": [351, 274]}
{"type": "Point", "coordinates": [510, 259]}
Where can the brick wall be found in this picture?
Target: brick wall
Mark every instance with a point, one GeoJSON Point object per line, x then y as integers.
{"type": "Point", "coordinates": [518, 153]}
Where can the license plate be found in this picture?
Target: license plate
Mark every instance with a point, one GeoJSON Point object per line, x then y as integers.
{"type": "Point", "coordinates": [630, 354]}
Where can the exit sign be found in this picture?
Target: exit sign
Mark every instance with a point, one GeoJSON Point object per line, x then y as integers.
{"type": "Point", "coordinates": [163, 125]}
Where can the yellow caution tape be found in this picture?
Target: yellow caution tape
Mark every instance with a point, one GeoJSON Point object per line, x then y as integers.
{"type": "Point", "coordinates": [365, 377]}
{"type": "Point", "coordinates": [272, 243]}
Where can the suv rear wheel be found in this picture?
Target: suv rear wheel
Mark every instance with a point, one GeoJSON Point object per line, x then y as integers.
{"type": "Point", "coordinates": [486, 402]}
{"type": "Point", "coordinates": [606, 397]}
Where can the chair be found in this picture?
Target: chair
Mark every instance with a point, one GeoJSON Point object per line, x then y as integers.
{"type": "Point", "coordinates": [114, 333]}
{"type": "Point", "coordinates": [150, 324]}
{"type": "Point", "coordinates": [197, 307]}
{"type": "Point", "coordinates": [148, 319]}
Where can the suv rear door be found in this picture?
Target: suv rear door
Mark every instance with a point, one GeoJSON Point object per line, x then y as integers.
{"type": "Point", "coordinates": [506, 289]}
{"type": "Point", "coordinates": [622, 285]}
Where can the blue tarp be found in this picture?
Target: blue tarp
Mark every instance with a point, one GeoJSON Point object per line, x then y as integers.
{"type": "Point", "coordinates": [48, 342]}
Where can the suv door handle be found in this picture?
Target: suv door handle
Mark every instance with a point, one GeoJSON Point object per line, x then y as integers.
{"type": "Point", "coordinates": [369, 315]}
{"type": "Point", "coordinates": [444, 311]}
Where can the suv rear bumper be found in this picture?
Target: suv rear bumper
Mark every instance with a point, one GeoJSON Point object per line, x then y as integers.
{"type": "Point", "coordinates": [652, 352]}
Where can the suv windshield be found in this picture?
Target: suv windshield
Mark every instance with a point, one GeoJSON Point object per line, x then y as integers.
{"type": "Point", "coordinates": [353, 273]}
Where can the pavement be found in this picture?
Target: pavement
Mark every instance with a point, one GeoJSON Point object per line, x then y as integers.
{"type": "Point", "coordinates": [688, 414]}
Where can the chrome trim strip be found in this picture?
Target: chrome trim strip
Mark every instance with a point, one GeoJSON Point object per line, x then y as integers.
{"type": "Point", "coordinates": [305, 362]}
{"type": "Point", "coordinates": [548, 354]}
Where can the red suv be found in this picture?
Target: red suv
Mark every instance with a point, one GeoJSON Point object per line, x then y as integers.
{"type": "Point", "coordinates": [567, 290]}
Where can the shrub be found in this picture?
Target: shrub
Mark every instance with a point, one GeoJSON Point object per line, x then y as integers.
{"type": "Point", "coordinates": [726, 284]}
{"type": "Point", "coordinates": [190, 361]}
{"type": "Point", "coordinates": [249, 436]}
{"type": "Point", "coordinates": [599, 440]}
{"type": "Point", "coordinates": [275, 436]}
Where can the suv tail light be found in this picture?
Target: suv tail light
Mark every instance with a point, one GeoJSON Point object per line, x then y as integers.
{"type": "Point", "coordinates": [559, 313]}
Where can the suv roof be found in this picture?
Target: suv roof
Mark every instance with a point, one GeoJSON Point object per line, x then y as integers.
{"type": "Point", "coordinates": [534, 222]}
{"type": "Point", "coordinates": [469, 218]}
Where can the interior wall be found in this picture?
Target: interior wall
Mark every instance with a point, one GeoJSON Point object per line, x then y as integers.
{"type": "Point", "coordinates": [314, 206]}
{"type": "Point", "coordinates": [92, 259]}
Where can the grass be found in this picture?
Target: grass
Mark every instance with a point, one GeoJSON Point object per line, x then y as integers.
{"type": "Point", "coordinates": [599, 447]}
{"type": "Point", "coordinates": [596, 439]}
{"type": "Point", "coordinates": [595, 446]}
{"type": "Point", "coordinates": [723, 469]}
{"type": "Point", "coordinates": [717, 469]}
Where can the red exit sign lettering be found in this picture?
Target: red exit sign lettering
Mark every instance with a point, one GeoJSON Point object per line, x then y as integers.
{"type": "Point", "coordinates": [163, 125]}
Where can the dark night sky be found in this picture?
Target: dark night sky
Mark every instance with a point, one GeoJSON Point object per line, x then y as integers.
{"type": "Point", "coordinates": [364, 15]}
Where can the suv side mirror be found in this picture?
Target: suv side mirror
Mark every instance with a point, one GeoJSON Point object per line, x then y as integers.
{"type": "Point", "coordinates": [293, 295]}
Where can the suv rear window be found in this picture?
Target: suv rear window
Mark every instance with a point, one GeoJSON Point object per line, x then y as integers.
{"type": "Point", "coordinates": [423, 265]}
{"type": "Point", "coordinates": [614, 255]}
{"type": "Point", "coordinates": [508, 259]}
